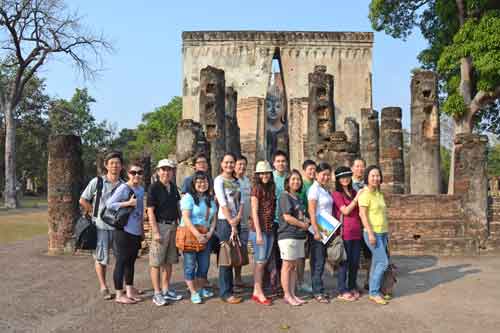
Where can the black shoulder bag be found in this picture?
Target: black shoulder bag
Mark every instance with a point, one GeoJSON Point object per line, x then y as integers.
{"type": "Point", "coordinates": [85, 231]}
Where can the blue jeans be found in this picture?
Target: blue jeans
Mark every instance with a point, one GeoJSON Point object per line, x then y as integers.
{"type": "Point", "coordinates": [348, 269]}
{"type": "Point", "coordinates": [262, 253]}
{"type": "Point", "coordinates": [317, 261]}
{"type": "Point", "coordinates": [380, 262]}
{"type": "Point", "coordinates": [196, 264]}
{"type": "Point", "coordinates": [223, 232]}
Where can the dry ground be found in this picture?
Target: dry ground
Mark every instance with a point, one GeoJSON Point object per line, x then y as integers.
{"type": "Point", "coordinates": [58, 294]}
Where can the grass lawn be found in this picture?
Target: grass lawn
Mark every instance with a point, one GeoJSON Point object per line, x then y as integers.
{"type": "Point", "coordinates": [22, 224]}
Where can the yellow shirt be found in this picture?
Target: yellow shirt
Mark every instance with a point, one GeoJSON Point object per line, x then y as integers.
{"type": "Point", "coordinates": [377, 217]}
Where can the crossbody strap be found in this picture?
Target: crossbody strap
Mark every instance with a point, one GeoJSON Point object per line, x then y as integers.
{"type": "Point", "coordinates": [100, 184]}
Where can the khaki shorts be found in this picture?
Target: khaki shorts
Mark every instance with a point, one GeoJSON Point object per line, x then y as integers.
{"type": "Point", "coordinates": [164, 252]}
{"type": "Point", "coordinates": [292, 249]}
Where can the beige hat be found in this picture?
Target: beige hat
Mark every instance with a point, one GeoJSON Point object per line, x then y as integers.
{"type": "Point", "coordinates": [263, 166]}
{"type": "Point", "coordinates": [166, 163]}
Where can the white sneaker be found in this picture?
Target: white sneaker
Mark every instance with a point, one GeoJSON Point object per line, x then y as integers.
{"type": "Point", "coordinates": [159, 300]}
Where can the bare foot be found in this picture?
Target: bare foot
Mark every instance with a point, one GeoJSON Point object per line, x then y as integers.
{"type": "Point", "coordinates": [291, 301]}
{"type": "Point", "coordinates": [299, 300]}
{"type": "Point", "coordinates": [135, 297]}
{"type": "Point", "coordinates": [124, 300]}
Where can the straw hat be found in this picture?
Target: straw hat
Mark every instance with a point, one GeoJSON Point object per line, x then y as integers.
{"type": "Point", "coordinates": [262, 167]}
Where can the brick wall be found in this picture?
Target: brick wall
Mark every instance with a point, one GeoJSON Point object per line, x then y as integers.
{"type": "Point", "coordinates": [429, 225]}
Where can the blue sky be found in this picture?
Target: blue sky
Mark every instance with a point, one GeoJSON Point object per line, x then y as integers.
{"type": "Point", "coordinates": [145, 70]}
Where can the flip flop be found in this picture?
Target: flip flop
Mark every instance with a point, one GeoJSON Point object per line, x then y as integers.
{"type": "Point", "coordinates": [346, 298]}
{"type": "Point", "coordinates": [128, 301]}
{"type": "Point", "coordinates": [378, 300]}
{"type": "Point", "coordinates": [287, 302]}
{"type": "Point", "coordinates": [322, 299]}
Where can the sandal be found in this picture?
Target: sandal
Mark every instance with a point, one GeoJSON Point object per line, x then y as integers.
{"type": "Point", "coordinates": [125, 300]}
{"type": "Point", "coordinates": [106, 294]}
{"type": "Point", "coordinates": [378, 300]}
{"type": "Point", "coordinates": [292, 304]}
{"type": "Point", "coordinates": [346, 297]}
{"type": "Point", "coordinates": [321, 299]}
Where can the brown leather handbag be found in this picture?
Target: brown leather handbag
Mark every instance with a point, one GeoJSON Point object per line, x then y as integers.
{"type": "Point", "coordinates": [232, 253]}
{"type": "Point", "coordinates": [186, 241]}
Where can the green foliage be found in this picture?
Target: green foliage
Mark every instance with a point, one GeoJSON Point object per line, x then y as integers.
{"type": "Point", "coordinates": [445, 167]}
{"type": "Point", "coordinates": [156, 135]}
{"type": "Point", "coordinates": [494, 161]}
{"type": "Point", "coordinates": [480, 40]}
{"type": "Point", "coordinates": [454, 105]}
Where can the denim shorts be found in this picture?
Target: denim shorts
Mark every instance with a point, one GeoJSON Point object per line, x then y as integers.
{"type": "Point", "coordinates": [103, 247]}
{"type": "Point", "coordinates": [196, 264]}
{"type": "Point", "coordinates": [261, 253]}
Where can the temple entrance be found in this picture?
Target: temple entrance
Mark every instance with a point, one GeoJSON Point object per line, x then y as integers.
{"type": "Point", "coordinates": [276, 110]}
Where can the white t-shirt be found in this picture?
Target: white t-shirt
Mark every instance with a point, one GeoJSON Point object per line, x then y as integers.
{"type": "Point", "coordinates": [323, 197]}
{"type": "Point", "coordinates": [228, 194]}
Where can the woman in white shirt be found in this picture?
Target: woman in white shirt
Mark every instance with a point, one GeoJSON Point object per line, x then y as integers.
{"type": "Point", "coordinates": [319, 200]}
{"type": "Point", "coordinates": [228, 195]}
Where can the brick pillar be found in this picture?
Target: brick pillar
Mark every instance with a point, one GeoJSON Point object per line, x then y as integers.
{"type": "Point", "coordinates": [471, 181]}
{"type": "Point", "coordinates": [369, 141]}
{"type": "Point", "coordinates": [295, 132]}
{"type": "Point", "coordinates": [425, 156]}
{"type": "Point", "coordinates": [321, 118]}
{"type": "Point", "coordinates": [337, 152]}
{"type": "Point", "coordinates": [391, 151]}
{"type": "Point", "coordinates": [190, 142]}
{"type": "Point", "coordinates": [232, 132]}
{"type": "Point", "coordinates": [212, 113]}
{"type": "Point", "coordinates": [351, 129]}
{"type": "Point", "coordinates": [64, 186]}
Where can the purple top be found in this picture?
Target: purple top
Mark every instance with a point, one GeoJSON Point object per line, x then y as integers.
{"type": "Point", "coordinates": [352, 222]}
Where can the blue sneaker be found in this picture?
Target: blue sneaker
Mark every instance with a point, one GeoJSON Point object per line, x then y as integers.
{"type": "Point", "coordinates": [196, 298]}
{"type": "Point", "coordinates": [205, 293]}
{"type": "Point", "coordinates": [171, 295]}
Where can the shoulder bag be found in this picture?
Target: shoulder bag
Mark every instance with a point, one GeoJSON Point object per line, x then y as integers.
{"type": "Point", "coordinates": [117, 218]}
{"type": "Point", "coordinates": [186, 241]}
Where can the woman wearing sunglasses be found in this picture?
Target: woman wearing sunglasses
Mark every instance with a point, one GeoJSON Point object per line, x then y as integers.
{"type": "Point", "coordinates": [127, 241]}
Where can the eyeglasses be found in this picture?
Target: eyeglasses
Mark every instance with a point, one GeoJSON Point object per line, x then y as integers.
{"type": "Point", "coordinates": [135, 173]}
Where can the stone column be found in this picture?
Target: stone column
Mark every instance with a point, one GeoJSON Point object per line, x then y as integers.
{"type": "Point", "coordinates": [190, 142]}
{"type": "Point", "coordinates": [338, 151]}
{"type": "Point", "coordinates": [351, 129]}
{"type": "Point", "coordinates": [369, 147]}
{"type": "Point", "coordinates": [471, 181]}
{"type": "Point", "coordinates": [295, 130]}
{"type": "Point", "coordinates": [321, 118]}
{"type": "Point", "coordinates": [232, 135]}
{"type": "Point", "coordinates": [391, 151]}
{"type": "Point", "coordinates": [65, 178]}
{"type": "Point", "coordinates": [212, 112]}
{"type": "Point", "coordinates": [425, 156]}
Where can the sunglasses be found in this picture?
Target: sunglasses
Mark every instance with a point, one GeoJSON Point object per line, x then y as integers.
{"type": "Point", "coordinates": [135, 173]}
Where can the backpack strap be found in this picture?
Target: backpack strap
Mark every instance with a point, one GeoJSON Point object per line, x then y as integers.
{"type": "Point", "coordinates": [100, 184]}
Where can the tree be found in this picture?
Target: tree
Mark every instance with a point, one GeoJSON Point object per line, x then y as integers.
{"type": "Point", "coordinates": [464, 48]}
{"type": "Point", "coordinates": [31, 32]}
{"type": "Point", "coordinates": [75, 117]}
{"type": "Point", "coordinates": [494, 161]}
{"type": "Point", "coordinates": [156, 135]}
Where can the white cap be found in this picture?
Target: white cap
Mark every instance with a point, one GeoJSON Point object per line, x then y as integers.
{"type": "Point", "coordinates": [263, 167]}
{"type": "Point", "coordinates": [166, 163]}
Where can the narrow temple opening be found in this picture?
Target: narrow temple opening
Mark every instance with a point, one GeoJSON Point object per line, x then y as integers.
{"type": "Point", "coordinates": [276, 109]}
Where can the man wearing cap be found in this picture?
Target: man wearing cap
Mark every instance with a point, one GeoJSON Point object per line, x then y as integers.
{"type": "Point", "coordinates": [163, 214]}
{"type": "Point", "coordinates": [113, 164]}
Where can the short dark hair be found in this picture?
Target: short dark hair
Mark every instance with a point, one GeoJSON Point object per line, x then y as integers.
{"type": "Point", "coordinates": [369, 169]}
{"type": "Point", "coordinates": [280, 153]}
{"type": "Point", "coordinates": [241, 157]}
{"type": "Point", "coordinates": [287, 179]}
{"type": "Point", "coordinates": [359, 159]}
{"type": "Point", "coordinates": [322, 166]}
{"type": "Point", "coordinates": [111, 155]}
{"type": "Point", "coordinates": [198, 156]}
{"type": "Point", "coordinates": [308, 163]}
{"type": "Point", "coordinates": [135, 163]}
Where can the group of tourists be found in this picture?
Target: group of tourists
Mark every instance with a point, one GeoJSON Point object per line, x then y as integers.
{"type": "Point", "coordinates": [277, 211]}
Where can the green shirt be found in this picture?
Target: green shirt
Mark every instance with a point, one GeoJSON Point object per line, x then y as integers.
{"type": "Point", "coordinates": [303, 192]}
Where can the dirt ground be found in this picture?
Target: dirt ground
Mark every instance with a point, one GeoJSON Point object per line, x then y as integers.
{"type": "Point", "coordinates": [40, 293]}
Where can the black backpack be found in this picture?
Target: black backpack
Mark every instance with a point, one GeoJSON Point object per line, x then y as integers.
{"type": "Point", "coordinates": [85, 228]}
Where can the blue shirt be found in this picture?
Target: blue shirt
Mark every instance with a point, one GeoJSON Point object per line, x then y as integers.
{"type": "Point", "coordinates": [279, 183]}
{"type": "Point", "coordinates": [197, 212]}
{"type": "Point", "coordinates": [134, 224]}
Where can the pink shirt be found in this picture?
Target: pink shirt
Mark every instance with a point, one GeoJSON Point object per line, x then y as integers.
{"type": "Point", "coordinates": [352, 222]}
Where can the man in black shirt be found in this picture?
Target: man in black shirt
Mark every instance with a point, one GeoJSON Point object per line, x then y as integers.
{"type": "Point", "coordinates": [163, 214]}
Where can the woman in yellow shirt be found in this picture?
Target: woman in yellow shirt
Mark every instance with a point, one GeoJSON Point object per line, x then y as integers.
{"type": "Point", "coordinates": [372, 210]}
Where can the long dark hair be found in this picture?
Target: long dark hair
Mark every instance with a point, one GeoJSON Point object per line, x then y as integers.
{"type": "Point", "coordinates": [207, 194]}
{"type": "Point", "coordinates": [265, 188]}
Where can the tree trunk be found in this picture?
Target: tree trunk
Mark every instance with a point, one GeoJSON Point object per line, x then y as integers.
{"type": "Point", "coordinates": [10, 157]}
